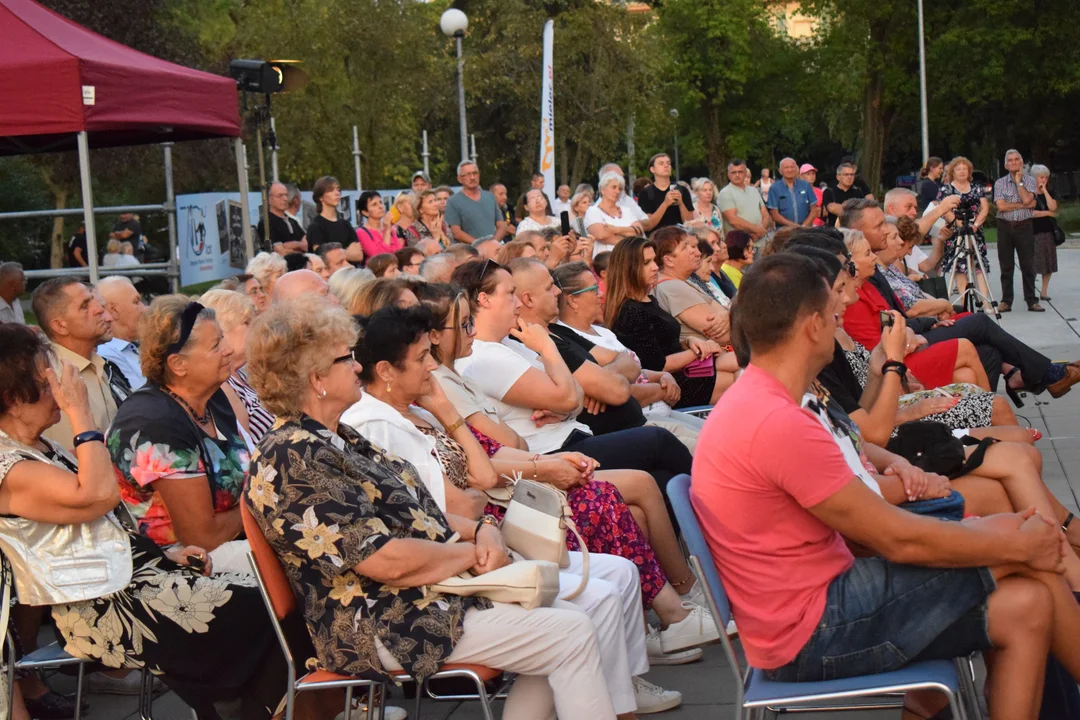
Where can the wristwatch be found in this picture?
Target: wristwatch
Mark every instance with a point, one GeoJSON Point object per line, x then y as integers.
{"type": "Point", "coordinates": [88, 436]}
{"type": "Point", "coordinates": [485, 520]}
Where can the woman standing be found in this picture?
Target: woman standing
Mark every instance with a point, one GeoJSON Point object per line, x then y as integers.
{"type": "Point", "coordinates": [579, 205]}
{"type": "Point", "coordinates": [429, 223]}
{"type": "Point", "coordinates": [406, 215]}
{"type": "Point", "coordinates": [972, 210]}
{"type": "Point", "coordinates": [537, 217]}
{"type": "Point", "coordinates": [378, 234]}
{"type": "Point", "coordinates": [606, 222]}
{"type": "Point", "coordinates": [764, 183]}
{"type": "Point", "coordinates": [929, 184]}
{"type": "Point", "coordinates": [327, 227]}
{"type": "Point", "coordinates": [705, 211]}
{"type": "Point", "coordinates": [1045, 212]}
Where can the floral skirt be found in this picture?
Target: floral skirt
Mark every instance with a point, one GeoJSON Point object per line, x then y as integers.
{"type": "Point", "coordinates": [975, 409]}
{"type": "Point", "coordinates": [607, 526]}
{"type": "Point", "coordinates": [208, 638]}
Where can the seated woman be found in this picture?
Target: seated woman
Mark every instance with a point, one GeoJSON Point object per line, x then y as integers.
{"type": "Point", "coordinates": [380, 293]}
{"type": "Point", "coordinates": [916, 303]}
{"type": "Point", "coordinates": [657, 392]}
{"type": "Point", "coordinates": [179, 456]}
{"type": "Point", "coordinates": [234, 313]}
{"type": "Point", "coordinates": [940, 364]}
{"type": "Point", "coordinates": [713, 253]}
{"type": "Point", "coordinates": [403, 407]}
{"type": "Point", "coordinates": [598, 497]}
{"type": "Point", "coordinates": [267, 268]}
{"type": "Point", "coordinates": [207, 636]}
{"type": "Point", "coordinates": [699, 314]}
{"type": "Point", "coordinates": [740, 250]}
{"type": "Point", "coordinates": [515, 249]}
{"type": "Point", "coordinates": [643, 326]}
{"type": "Point", "coordinates": [535, 392]}
{"type": "Point", "coordinates": [362, 538]}
{"type": "Point", "coordinates": [384, 265]}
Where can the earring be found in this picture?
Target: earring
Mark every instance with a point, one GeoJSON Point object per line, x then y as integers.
{"type": "Point", "coordinates": [387, 386]}
{"type": "Point", "coordinates": [322, 394]}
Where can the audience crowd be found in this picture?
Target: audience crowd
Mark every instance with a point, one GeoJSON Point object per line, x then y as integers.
{"type": "Point", "coordinates": [372, 395]}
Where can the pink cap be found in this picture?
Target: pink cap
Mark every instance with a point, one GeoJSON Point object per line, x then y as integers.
{"type": "Point", "coordinates": [807, 167]}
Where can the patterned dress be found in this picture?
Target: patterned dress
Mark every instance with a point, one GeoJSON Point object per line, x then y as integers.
{"type": "Point", "coordinates": [152, 437]}
{"type": "Point", "coordinates": [975, 409]}
{"type": "Point", "coordinates": [602, 518]}
{"type": "Point", "coordinates": [327, 501]}
{"type": "Point", "coordinates": [208, 638]}
{"type": "Point", "coordinates": [970, 202]}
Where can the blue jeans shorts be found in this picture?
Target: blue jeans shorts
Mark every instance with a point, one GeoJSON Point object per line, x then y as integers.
{"type": "Point", "coordinates": [880, 616]}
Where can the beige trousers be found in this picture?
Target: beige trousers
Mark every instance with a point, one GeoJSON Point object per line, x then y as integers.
{"type": "Point", "coordinates": [553, 650]}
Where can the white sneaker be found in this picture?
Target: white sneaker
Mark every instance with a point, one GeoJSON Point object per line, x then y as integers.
{"type": "Point", "coordinates": [653, 698]}
{"type": "Point", "coordinates": [697, 628]}
{"type": "Point", "coordinates": [657, 656]}
{"type": "Point", "coordinates": [732, 631]}
{"type": "Point", "coordinates": [696, 595]}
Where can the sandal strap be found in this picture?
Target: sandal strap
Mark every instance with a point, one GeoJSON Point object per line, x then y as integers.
{"type": "Point", "coordinates": [1065, 523]}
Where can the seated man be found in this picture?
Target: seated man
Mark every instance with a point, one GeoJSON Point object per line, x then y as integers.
{"type": "Point", "coordinates": [807, 610]}
{"type": "Point", "coordinates": [996, 346]}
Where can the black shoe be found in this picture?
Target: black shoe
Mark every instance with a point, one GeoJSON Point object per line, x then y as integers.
{"type": "Point", "coordinates": [1013, 393]}
{"type": "Point", "coordinates": [1036, 307]}
{"type": "Point", "coordinates": [52, 706]}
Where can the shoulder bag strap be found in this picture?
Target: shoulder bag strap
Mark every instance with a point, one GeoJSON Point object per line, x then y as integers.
{"type": "Point", "coordinates": [584, 551]}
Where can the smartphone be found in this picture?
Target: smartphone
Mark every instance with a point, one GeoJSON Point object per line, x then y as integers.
{"type": "Point", "coordinates": [564, 220]}
{"type": "Point", "coordinates": [197, 563]}
{"type": "Point", "coordinates": [886, 318]}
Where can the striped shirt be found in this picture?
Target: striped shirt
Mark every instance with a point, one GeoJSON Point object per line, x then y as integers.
{"type": "Point", "coordinates": [259, 418]}
{"type": "Point", "coordinates": [1005, 189]}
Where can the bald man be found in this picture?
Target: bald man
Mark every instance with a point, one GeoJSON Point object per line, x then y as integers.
{"type": "Point", "coordinates": [286, 235]}
{"type": "Point", "coordinates": [124, 303]}
{"type": "Point", "coordinates": [792, 200]}
{"type": "Point", "coordinates": [298, 283]}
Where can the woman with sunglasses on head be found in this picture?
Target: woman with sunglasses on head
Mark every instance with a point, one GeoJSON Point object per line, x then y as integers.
{"type": "Point", "coordinates": [620, 512]}
{"type": "Point", "coordinates": [642, 325]}
{"type": "Point", "coordinates": [180, 458]}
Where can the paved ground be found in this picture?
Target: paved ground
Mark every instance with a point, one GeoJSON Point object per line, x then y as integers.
{"type": "Point", "coordinates": [707, 686]}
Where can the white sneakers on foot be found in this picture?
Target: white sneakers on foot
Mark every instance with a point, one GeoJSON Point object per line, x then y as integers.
{"type": "Point", "coordinates": [657, 656]}
{"type": "Point", "coordinates": [697, 596]}
{"type": "Point", "coordinates": [697, 628]}
{"type": "Point", "coordinates": [653, 698]}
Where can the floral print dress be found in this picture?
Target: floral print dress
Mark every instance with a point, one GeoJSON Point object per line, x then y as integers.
{"type": "Point", "coordinates": [153, 437]}
{"type": "Point", "coordinates": [208, 638]}
{"type": "Point", "coordinates": [601, 516]}
{"type": "Point", "coordinates": [327, 501]}
{"type": "Point", "coordinates": [970, 202]}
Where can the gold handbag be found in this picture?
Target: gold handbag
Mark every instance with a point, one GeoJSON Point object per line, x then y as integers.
{"type": "Point", "coordinates": [535, 527]}
{"type": "Point", "coordinates": [528, 583]}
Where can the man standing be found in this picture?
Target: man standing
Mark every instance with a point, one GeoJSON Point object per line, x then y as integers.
{"type": "Point", "coordinates": [420, 182]}
{"type": "Point", "coordinates": [76, 248]}
{"type": "Point", "coordinates": [843, 190]}
{"type": "Point", "coordinates": [76, 323]}
{"type": "Point", "coordinates": [473, 213]}
{"type": "Point", "coordinates": [792, 200]}
{"type": "Point", "coordinates": [665, 203]}
{"type": "Point", "coordinates": [128, 228]}
{"type": "Point", "coordinates": [740, 203]}
{"type": "Point", "coordinates": [1014, 196]}
{"type": "Point", "coordinates": [562, 200]}
{"type": "Point", "coordinates": [126, 306]}
{"type": "Point", "coordinates": [286, 235]}
{"type": "Point", "coordinates": [498, 190]}
{"type": "Point", "coordinates": [12, 285]}
{"type": "Point", "coordinates": [901, 202]}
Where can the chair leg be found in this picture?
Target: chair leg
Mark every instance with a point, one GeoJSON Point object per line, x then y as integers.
{"type": "Point", "coordinates": [78, 691]}
{"type": "Point", "coordinates": [348, 704]}
{"type": "Point", "coordinates": [420, 689]}
{"type": "Point", "coordinates": [482, 695]}
{"type": "Point", "coordinates": [290, 701]}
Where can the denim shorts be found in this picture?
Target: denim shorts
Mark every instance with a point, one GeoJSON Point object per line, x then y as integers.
{"type": "Point", "coordinates": [880, 616]}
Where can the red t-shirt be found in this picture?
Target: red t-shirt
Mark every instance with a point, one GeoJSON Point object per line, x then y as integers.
{"type": "Point", "coordinates": [761, 462]}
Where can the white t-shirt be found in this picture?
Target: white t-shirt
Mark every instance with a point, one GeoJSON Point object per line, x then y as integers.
{"type": "Point", "coordinates": [530, 224]}
{"type": "Point", "coordinates": [110, 259]}
{"type": "Point", "coordinates": [595, 216]}
{"type": "Point", "coordinates": [914, 258]}
{"type": "Point", "coordinates": [494, 368]}
{"type": "Point", "coordinates": [843, 441]}
{"type": "Point", "coordinates": [558, 206]}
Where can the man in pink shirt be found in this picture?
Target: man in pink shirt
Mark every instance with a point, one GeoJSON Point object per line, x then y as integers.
{"type": "Point", "coordinates": [776, 501]}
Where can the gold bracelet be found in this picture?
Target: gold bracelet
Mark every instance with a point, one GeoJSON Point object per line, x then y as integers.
{"type": "Point", "coordinates": [455, 425]}
{"type": "Point", "coordinates": [534, 469]}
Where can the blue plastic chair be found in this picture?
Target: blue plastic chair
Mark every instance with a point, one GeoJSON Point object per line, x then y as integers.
{"type": "Point", "coordinates": [758, 696]}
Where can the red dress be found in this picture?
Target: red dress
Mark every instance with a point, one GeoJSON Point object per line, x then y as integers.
{"type": "Point", "coordinates": [931, 365]}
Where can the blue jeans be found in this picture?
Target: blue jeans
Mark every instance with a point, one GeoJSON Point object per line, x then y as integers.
{"type": "Point", "coordinates": [880, 616]}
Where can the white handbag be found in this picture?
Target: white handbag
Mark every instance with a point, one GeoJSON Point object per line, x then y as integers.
{"type": "Point", "coordinates": [535, 526]}
{"type": "Point", "coordinates": [528, 583]}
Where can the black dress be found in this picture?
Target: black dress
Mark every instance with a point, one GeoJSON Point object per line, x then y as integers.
{"type": "Point", "coordinates": [653, 334]}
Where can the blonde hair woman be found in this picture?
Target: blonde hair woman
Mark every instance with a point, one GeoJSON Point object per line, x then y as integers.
{"type": "Point", "coordinates": [267, 268]}
{"type": "Point", "coordinates": [112, 253]}
{"type": "Point", "coordinates": [347, 283]}
{"type": "Point", "coordinates": [969, 214]}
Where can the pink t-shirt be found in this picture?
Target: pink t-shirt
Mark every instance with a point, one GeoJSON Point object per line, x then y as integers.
{"type": "Point", "coordinates": [372, 242]}
{"type": "Point", "coordinates": [761, 461]}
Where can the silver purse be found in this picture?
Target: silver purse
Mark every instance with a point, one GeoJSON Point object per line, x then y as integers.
{"type": "Point", "coordinates": [56, 564]}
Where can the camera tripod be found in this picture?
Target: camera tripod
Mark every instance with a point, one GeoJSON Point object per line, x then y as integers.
{"type": "Point", "coordinates": [972, 299]}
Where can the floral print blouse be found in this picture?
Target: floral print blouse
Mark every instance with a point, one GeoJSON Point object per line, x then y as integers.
{"type": "Point", "coordinates": [153, 437]}
{"type": "Point", "coordinates": [327, 501]}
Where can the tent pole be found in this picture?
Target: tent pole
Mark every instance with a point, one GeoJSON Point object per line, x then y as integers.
{"type": "Point", "coordinates": [241, 172]}
{"type": "Point", "coordinates": [88, 205]}
{"type": "Point", "coordinates": [170, 213]}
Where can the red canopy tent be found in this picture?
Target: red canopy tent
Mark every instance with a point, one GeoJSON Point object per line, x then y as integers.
{"type": "Point", "coordinates": [64, 87]}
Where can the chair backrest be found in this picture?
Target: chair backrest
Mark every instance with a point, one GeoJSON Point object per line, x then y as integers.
{"type": "Point", "coordinates": [678, 491]}
{"type": "Point", "coordinates": [273, 576]}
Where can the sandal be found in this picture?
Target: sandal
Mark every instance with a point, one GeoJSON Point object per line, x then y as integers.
{"type": "Point", "coordinates": [1044, 298]}
{"type": "Point", "coordinates": [1013, 393]}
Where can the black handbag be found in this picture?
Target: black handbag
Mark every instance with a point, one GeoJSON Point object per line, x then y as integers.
{"type": "Point", "coordinates": [931, 446]}
{"type": "Point", "coordinates": [934, 287]}
{"type": "Point", "coordinates": [1059, 234]}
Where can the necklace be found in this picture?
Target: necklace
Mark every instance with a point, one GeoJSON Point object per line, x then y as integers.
{"type": "Point", "coordinates": [203, 419]}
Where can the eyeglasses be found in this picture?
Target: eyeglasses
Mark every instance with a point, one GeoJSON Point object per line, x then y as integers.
{"type": "Point", "coordinates": [467, 327]}
{"type": "Point", "coordinates": [343, 359]}
{"type": "Point", "coordinates": [592, 287]}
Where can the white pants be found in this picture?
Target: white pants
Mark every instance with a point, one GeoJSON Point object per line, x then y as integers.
{"type": "Point", "coordinates": [682, 426]}
{"type": "Point", "coordinates": [553, 650]}
{"type": "Point", "coordinates": [612, 600]}
{"type": "Point", "coordinates": [231, 557]}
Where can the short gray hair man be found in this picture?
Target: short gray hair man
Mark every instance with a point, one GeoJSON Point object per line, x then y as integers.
{"type": "Point", "coordinates": [438, 268]}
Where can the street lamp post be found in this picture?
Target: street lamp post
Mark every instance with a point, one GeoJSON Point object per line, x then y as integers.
{"type": "Point", "coordinates": [675, 131]}
{"type": "Point", "coordinates": [922, 87]}
{"type": "Point", "coordinates": [454, 23]}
